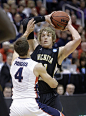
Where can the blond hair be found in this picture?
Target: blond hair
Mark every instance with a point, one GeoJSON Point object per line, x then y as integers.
{"type": "Point", "coordinates": [49, 30]}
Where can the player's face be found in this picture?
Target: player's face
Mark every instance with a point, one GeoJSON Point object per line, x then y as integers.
{"type": "Point", "coordinates": [46, 39]}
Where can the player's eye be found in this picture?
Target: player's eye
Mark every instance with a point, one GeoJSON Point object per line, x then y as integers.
{"type": "Point", "coordinates": [48, 35]}
{"type": "Point", "coordinates": [43, 35]}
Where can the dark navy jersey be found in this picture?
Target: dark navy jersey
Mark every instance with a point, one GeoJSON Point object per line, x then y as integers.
{"type": "Point", "coordinates": [48, 57]}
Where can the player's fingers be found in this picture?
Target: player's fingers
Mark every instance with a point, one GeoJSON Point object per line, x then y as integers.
{"type": "Point", "coordinates": [52, 25]}
{"type": "Point", "coordinates": [33, 22]}
{"type": "Point", "coordinates": [30, 22]}
{"type": "Point", "coordinates": [53, 12]}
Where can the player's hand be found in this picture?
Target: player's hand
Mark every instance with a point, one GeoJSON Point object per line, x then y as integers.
{"type": "Point", "coordinates": [48, 19]}
{"type": "Point", "coordinates": [69, 23]}
{"type": "Point", "coordinates": [30, 25]}
{"type": "Point", "coordinates": [30, 28]}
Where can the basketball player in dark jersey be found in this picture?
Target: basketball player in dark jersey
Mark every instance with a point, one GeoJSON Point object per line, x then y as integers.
{"type": "Point", "coordinates": [49, 57]}
{"type": "Point", "coordinates": [7, 30]}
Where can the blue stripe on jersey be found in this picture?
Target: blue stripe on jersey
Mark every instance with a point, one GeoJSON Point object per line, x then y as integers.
{"type": "Point", "coordinates": [24, 58]}
{"type": "Point", "coordinates": [49, 110]}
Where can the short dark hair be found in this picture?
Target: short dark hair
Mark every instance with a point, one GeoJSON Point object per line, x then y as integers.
{"type": "Point", "coordinates": [21, 46]}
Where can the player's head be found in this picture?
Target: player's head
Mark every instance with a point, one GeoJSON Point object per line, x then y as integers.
{"type": "Point", "coordinates": [47, 36]}
{"type": "Point", "coordinates": [21, 46]}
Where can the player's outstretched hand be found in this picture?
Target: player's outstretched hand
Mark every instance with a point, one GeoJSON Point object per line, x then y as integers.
{"type": "Point", "coordinates": [48, 19]}
{"type": "Point", "coordinates": [30, 26]}
{"type": "Point", "coordinates": [69, 23]}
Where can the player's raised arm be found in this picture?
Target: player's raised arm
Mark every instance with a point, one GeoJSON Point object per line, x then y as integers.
{"type": "Point", "coordinates": [29, 32]}
{"type": "Point", "coordinates": [70, 46]}
{"type": "Point", "coordinates": [7, 30]}
{"type": "Point", "coordinates": [41, 70]}
{"type": "Point", "coordinates": [29, 29]}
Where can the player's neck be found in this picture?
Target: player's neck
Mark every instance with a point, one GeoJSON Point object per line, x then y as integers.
{"type": "Point", "coordinates": [23, 56]}
{"type": "Point", "coordinates": [26, 56]}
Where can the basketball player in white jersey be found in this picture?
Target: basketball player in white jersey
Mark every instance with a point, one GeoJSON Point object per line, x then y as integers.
{"type": "Point", "coordinates": [25, 73]}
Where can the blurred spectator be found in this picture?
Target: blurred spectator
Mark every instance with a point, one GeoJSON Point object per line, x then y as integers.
{"type": "Point", "coordinates": [61, 3]}
{"type": "Point", "coordinates": [20, 11]}
{"type": "Point", "coordinates": [68, 11]}
{"type": "Point", "coordinates": [52, 5]}
{"type": "Point", "coordinates": [27, 10]}
{"type": "Point", "coordinates": [13, 10]}
{"type": "Point", "coordinates": [5, 72]}
{"type": "Point", "coordinates": [60, 89]}
{"type": "Point", "coordinates": [39, 4]}
{"type": "Point", "coordinates": [74, 21]}
{"type": "Point", "coordinates": [43, 11]}
{"type": "Point", "coordinates": [33, 12]}
{"type": "Point", "coordinates": [75, 59]}
{"type": "Point", "coordinates": [66, 62]}
{"type": "Point", "coordinates": [74, 3]}
{"type": "Point", "coordinates": [22, 2]}
{"type": "Point", "coordinates": [62, 41]}
{"type": "Point", "coordinates": [70, 88]}
{"type": "Point", "coordinates": [83, 49]}
{"type": "Point", "coordinates": [6, 9]}
{"type": "Point", "coordinates": [82, 67]}
{"type": "Point", "coordinates": [83, 54]}
{"type": "Point", "coordinates": [75, 54]}
{"type": "Point", "coordinates": [84, 33]}
{"type": "Point", "coordinates": [76, 62]}
{"type": "Point", "coordinates": [7, 92]}
{"type": "Point", "coordinates": [80, 29]}
{"type": "Point", "coordinates": [19, 35]}
{"type": "Point", "coordinates": [11, 2]}
{"type": "Point", "coordinates": [58, 34]}
{"type": "Point", "coordinates": [17, 21]}
{"type": "Point", "coordinates": [1, 61]}
{"type": "Point", "coordinates": [83, 8]}
{"type": "Point", "coordinates": [5, 50]}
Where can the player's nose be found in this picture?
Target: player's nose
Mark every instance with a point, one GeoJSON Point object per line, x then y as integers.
{"type": "Point", "coordinates": [46, 37]}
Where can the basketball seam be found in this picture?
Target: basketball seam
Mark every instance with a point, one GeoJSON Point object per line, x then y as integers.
{"type": "Point", "coordinates": [57, 21]}
{"type": "Point", "coordinates": [61, 16]}
{"type": "Point", "coordinates": [56, 25]}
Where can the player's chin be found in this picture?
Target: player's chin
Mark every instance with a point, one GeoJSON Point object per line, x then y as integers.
{"type": "Point", "coordinates": [45, 45]}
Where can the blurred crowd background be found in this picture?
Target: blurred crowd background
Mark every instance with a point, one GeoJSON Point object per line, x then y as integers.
{"type": "Point", "coordinates": [72, 74]}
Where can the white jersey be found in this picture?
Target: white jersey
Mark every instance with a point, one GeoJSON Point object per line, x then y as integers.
{"type": "Point", "coordinates": [23, 78]}
{"type": "Point", "coordinates": [24, 91]}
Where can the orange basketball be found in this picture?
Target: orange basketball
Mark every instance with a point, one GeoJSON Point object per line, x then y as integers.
{"type": "Point", "coordinates": [60, 19]}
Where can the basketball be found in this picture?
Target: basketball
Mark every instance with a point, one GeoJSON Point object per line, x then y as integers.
{"type": "Point", "coordinates": [60, 19]}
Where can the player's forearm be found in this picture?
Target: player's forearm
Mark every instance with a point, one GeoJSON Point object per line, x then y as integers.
{"type": "Point", "coordinates": [74, 33]}
{"type": "Point", "coordinates": [37, 20]}
{"type": "Point", "coordinates": [26, 34]}
{"type": "Point", "coordinates": [55, 84]}
{"type": "Point", "coordinates": [52, 82]}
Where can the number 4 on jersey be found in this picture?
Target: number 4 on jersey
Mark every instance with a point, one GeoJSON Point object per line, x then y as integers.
{"type": "Point", "coordinates": [18, 74]}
